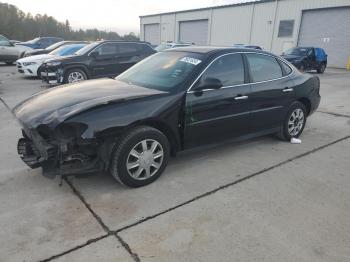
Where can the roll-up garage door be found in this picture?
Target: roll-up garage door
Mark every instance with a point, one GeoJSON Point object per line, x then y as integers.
{"type": "Point", "coordinates": [329, 29]}
{"type": "Point", "coordinates": [195, 31]}
{"type": "Point", "coordinates": [152, 34]}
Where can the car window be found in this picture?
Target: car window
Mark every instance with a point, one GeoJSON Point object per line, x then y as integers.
{"type": "Point", "coordinates": [4, 41]}
{"type": "Point", "coordinates": [107, 49]}
{"type": "Point", "coordinates": [263, 67]}
{"type": "Point", "coordinates": [229, 69]}
{"type": "Point", "coordinates": [44, 41]}
{"type": "Point", "coordinates": [286, 68]}
{"type": "Point", "coordinates": [127, 48]}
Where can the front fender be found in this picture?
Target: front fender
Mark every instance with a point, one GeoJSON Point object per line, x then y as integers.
{"type": "Point", "coordinates": [115, 118]}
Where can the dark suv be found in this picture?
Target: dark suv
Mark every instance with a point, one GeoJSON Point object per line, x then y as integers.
{"type": "Point", "coordinates": [307, 58]}
{"type": "Point", "coordinates": [96, 60]}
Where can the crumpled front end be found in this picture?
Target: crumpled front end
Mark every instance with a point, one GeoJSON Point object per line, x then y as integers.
{"type": "Point", "coordinates": [60, 151]}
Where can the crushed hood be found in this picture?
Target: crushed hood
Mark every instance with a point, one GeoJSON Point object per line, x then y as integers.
{"type": "Point", "coordinates": [53, 106]}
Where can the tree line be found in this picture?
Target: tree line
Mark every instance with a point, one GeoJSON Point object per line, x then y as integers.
{"type": "Point", "coordinates": [17, 25]}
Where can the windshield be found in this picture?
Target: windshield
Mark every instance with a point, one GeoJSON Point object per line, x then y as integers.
{"type": "Point", "coordinates": [162, 71]}
{"type": "Point", "coordinates": [54, 46]}
{"type": "Point", "coordinates": [87, 48]}
{"type": "Point", "coordinates": [67, 50]}
{"type": "Point", "coordinates": [33, 41]}
{"type": "Point", "coordinates": [296, 51]}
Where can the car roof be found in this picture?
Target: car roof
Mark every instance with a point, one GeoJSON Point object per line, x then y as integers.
{"type": "Point", "coordinates": [122, 41]}
{"type": "Point", "coordinates": [214, 49]}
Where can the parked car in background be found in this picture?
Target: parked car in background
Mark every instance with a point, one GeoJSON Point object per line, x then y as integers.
{"type": "Point", "coordinates": [307, 58]}
{"type": "Point", "coordinates": [41, 42]}
{"type": "Point", "coordinates": [10, 52]}
{"type": "Point", "coordinates": [15, 41]}
{"type": "Point", "coordinates": [51, 48]}
{"type": "Point", "coordinates": [32, 65]}
{"type": "Point", "coordinates": [171, 101]}
{"type": "Point", "coordinates": [247, 46]}
{"type": "Point", "coordinates": [98, 59]}
{"type": "Point", "coordinates": [169, 45]}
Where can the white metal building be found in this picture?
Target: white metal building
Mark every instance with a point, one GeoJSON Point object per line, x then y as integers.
{"type": "Point", "coordinates": [275, 25]}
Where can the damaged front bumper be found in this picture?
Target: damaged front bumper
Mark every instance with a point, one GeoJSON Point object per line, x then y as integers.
{"type": "Point", "coordinates": [52, 76]}
{"type": "Point", "coordinates": [54, 159]}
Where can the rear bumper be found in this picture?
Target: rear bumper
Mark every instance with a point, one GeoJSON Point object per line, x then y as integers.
{"type": "Point", "coordinates": [315, 102]}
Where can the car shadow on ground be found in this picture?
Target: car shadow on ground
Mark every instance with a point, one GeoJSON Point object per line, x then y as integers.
{"type": "Point", "coordinates": [184, 158]}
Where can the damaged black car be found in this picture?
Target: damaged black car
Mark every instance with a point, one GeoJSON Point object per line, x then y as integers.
{"type": "Point", "coordinates": [171, 101]}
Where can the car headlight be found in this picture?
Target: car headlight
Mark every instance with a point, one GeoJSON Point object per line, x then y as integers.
{"type": "Point", "coordinates": [54, 63]}
{"type": "Point", "coordinates": [28, 63]}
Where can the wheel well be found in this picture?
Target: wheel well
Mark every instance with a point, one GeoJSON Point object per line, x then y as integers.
{"type": "Point", "coordinates": [166, 130]}
{"type": "Point", "coordinates": [306, 102]}
{"type": "Point", "coordinates": [78, 67]}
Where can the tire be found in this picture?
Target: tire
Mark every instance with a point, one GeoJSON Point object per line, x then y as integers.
{"type": "Point", "coordinates": [38, 73]}
{"type": "Point", "coordinates": [296, 109]}
{"type": "Point", "coordinates": [321, 68]}
{"type": "Point", "coordinates": [74, 75]}
{"type": "Point", "coordinates": [128, 151]}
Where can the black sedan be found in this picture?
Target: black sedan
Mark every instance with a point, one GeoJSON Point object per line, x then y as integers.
{"type": "Point", "coordinates": [171, 101]}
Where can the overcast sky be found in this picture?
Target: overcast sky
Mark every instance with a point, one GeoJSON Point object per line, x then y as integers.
{"type": "Point", "coordinates": [121, 16]}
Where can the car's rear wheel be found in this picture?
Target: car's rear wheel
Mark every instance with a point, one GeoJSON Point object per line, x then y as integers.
{"type": "Point", "coordinates": [321, 68]}
{"type": "Point", "coordinates": [74, 75]}
{"type": "Point", "coordinates": [294, 122]}
{"type": "Point", "coordinates": [140, 157]}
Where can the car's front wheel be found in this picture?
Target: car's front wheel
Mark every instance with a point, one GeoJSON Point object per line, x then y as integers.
{"type": "Point", "coordinates": [294, 122]}
{"type": "Point", "coordinates": [74, 75]}
{"type": "Point", "coordinates": [140, 157]}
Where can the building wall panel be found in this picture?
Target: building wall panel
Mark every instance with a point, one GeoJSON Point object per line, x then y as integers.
{"type": "Point", "coordinates": [231, 25]}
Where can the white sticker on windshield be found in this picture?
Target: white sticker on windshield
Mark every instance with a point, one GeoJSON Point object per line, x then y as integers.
{"type": "Point", "coordinates": [190, 60]}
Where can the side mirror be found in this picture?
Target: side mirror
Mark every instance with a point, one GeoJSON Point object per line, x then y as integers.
{"type": "Point", "coordinates": [208, 83]}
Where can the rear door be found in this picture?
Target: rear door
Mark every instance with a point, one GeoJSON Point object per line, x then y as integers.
{"type": "Point", "coordinates": [128, 55]}
{"type": "Point", "coordinates": [216, 114]}
{"type": "Point", "coordinates": [271, 90]}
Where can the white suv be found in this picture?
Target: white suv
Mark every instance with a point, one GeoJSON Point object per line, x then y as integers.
{"type": "Point", "coordinates": [9, 52]}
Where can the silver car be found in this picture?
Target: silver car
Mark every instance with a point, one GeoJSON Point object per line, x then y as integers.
{"type": "Point", "coordinates": [10, 52]}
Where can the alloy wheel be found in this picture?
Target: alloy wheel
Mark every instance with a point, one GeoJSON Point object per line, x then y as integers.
{"type": "Point", "coordinates": [75, 77]}
{"type": "Point", "coordinates": [145, 159]}
{"type": "Point", "coordinates": [296, 122]}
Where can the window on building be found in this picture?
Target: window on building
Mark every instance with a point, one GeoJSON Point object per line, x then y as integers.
{"type": "Point", "coordinates": [263, 67]}
{"type": "Point", "coordinates": [286, 28]}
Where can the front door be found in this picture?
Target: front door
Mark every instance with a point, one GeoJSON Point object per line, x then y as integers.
{"type": "Point", "coordinates": [272, 90]}
{"type": "Point", "coordinates": [104, 62]}
{"type": "Point", "coordinates": [216, 114]}
{"type": "Point", "coordinates": [8, 52]}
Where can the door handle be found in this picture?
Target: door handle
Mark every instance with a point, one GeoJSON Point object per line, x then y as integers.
{"type": "Point", "coordinates": [241, 97]}
{"type": "Point", "coordinates": [288, 90]}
